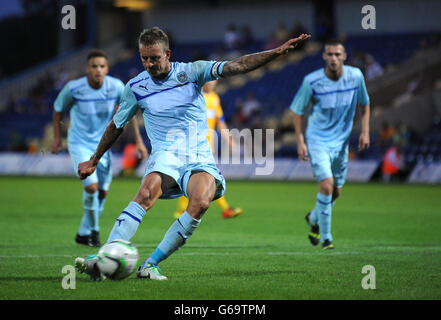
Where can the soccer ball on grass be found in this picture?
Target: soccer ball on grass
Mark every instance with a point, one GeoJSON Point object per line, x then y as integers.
{"type": "Point", "coordinates": [117, 259]}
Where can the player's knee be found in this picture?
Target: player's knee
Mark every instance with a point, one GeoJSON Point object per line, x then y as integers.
{"type": "Point", "coordinates": [91, 188]}
{"type": "Point", "coordinates": [327, 187]}
{"type": "Point", "coordinates": [204, 205]}
{"type": "Point", "coordinates": [144, 198]}
{"type": "Point", "coordinates": [199, 204]}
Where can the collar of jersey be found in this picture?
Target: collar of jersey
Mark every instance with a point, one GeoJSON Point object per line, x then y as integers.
{"type": "Point", "coordinates": [92, 88]}
{"type": "Point", "coordinates": [341, 77]}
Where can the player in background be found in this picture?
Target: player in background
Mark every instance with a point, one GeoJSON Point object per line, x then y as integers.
{"type": "Point", "coordinates": [91, 101]}
{"type": "Point", "coordinates": [215, 119]}
{"type": "Point", "coordinates": [181, 161]}
{"type": "Point", "coordinates": [334, 92]}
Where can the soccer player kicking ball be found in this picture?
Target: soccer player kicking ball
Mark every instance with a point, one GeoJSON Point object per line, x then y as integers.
{"type": "Point", "coordinates": [181, 163]}
{"type": "Point", "coordinates": [92, 100]}
{"type": "Point", "coordinates": [334, 93]}
{"type": "Point", "coordinates": [215, 118]}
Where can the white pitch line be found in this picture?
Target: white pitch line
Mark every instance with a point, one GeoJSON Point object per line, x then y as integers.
{"type": "Point", "coordinates": [207, 246]}
{"type": "Point", "coordinates": [422, 248]}
{"type": "Point", "coordinates": [291, 253]}
{"type": "Point", "coordinates": [39, 256]}
{"type": "Point", "coordinates": [273, 253]}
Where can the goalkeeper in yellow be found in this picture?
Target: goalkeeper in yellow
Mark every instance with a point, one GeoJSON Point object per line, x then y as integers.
{"type": "Point", "coordinates": [215, 119]}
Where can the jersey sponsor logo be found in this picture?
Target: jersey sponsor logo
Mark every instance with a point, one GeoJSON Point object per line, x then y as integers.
{"type": "Point", "coordinates": [182, 77]}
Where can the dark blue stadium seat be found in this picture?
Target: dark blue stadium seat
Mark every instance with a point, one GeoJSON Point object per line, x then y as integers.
{"type": "Point", "coordinates": [287, 151]}
{"type": "Point", "coordinates": [29, 125]}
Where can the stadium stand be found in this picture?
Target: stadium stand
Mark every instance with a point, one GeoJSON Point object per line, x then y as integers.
{"type": "Point", "coordinates": [274, 88]}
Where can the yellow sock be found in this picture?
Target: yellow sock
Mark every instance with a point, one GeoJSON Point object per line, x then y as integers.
{"type": "Point", "coordinates": [182, 204]}
{"type": "Point", "coordinates": [222, 203]}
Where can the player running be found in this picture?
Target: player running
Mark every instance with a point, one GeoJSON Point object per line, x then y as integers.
{"type": "Point", "coordinates": [215, 118]}
{"type": "Point", "coordinates": [181, 161]}
{"type": "Point", "coordinates": [334, 93]}
{"type": "Point", "coordinates": [92, 100]}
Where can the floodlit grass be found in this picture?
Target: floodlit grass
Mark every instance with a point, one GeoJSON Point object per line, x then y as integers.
{"type": "Point", "coordinates": [262, 255]}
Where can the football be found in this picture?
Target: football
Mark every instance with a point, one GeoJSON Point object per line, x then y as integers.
{"type": "Point", "coordinates": [117, 259]}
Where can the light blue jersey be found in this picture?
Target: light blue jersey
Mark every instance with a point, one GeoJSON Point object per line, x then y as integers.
{"type": "Point", "coordinates": [333, 105]}
{"type": "Point", "coordinates": [90, 112]}
{"type": "Point", "coordinates": [175, 118]}
{"type": "Point", "coordinates": [90, 109]}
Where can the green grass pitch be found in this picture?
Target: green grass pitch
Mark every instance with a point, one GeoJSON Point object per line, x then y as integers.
{"type": "Point", "coordinates": [262, 255]}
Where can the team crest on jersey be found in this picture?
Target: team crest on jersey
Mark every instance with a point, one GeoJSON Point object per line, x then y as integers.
{"type": "Point", "coordinates": [182, 76]}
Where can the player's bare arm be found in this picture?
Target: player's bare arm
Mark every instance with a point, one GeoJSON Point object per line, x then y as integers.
{"type": "Point", "coordinates": [253, 61]}
{"type": "Point", "coordinates": [109, 137]}
{"type": "Point", "coordinates": [302, 150]}
{"type": "Point", "coordinates": [364, 140]}
{"type": "Point", "coordinates": [56, 120]}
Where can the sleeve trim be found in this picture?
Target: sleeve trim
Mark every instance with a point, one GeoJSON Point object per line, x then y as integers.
{"type": "Point", "coordinates": [216, 69]}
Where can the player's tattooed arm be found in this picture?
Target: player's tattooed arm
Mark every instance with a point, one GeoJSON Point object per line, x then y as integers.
{"type": "Point", "coordinates": [253, 61]}
{"type": "Point", "coordinates": [107, 140]}
{"type": "Point", "coordinates": [248, 63]}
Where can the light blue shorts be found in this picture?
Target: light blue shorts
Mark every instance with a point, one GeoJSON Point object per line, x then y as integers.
{"type": "Point", "coordinates": [167, 163]}
{"type": "Point", "coordinates": [329, 162]}
{"type": "Point", "coordinates": [103, 173]}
